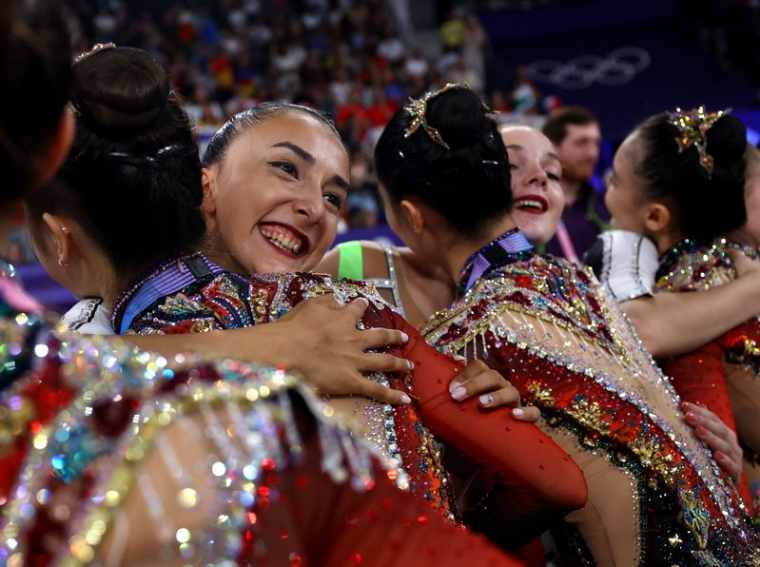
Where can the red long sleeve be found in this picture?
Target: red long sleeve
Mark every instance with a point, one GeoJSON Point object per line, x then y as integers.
{"type": "Point", "coordinates": [699, 378]}
{"type": "Point", "coordinates": [318, 522]}
{"type": "Point", "coordinates": [537, 481]}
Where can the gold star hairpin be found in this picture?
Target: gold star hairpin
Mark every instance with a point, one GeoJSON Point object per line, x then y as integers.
{"type": "Point", "coordinates": [417, 108]}
{"type": "Point", "coordinates": [692, 131]}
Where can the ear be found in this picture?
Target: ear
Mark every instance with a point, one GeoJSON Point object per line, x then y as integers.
{"type": "Point", "coordinates": [413, 215]}
{"type": "Point", "coordinates": [61, 235]}
{"type": "Point", "coordinates": [208, 180]}
{"type": "Point", "coordinates": [657, 218]}
{"type": "Point", "coordinates": [60, 144]}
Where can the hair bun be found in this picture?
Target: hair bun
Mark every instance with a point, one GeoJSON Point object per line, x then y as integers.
{"type": "Point", "coordinates": [119, 89]}
{"type": "Point", "coordinates": [458, 115]}
{"type": "Point", "coordinates": [727, 140]}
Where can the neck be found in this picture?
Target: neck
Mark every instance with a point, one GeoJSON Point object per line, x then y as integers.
{"type": "Point", "coordinates": [460, 249]}
{"type": "Point", "coordinates": [218, 254]}
{"type": "Point", "coordinates": [665, 241]}
{"type": "Point", "coordinates": [108, 284]}
{"type": "Point", "coordinates": [572, 190]}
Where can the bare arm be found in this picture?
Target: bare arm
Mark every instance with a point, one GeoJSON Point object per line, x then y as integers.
{"type": "Point", "coordinates": [318, 339]}
{"type": "Point", "coordinates": [670, 324]}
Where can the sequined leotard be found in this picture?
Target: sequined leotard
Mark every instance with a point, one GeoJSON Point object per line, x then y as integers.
{"type": "Point", "coordinates": [723, 374]}
{"type": "Point", "coordinates": [656, 497]}
{"type": "Point", "coordinates": [109, 455]}
{"type": "Point", "coordinates": [534, 485]}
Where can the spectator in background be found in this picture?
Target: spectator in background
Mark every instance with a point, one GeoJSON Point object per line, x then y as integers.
{"type": "Point", "coordinates": [576, 136]}
{"type": "Point", "coordinates": [525, 95]}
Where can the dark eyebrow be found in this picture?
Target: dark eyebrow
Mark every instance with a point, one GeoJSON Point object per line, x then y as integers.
{"type": "Point", "coordinates": [307, 157]}
{"type": "Point", "coordinates": [340, 182]}
{"type": "Point", "coordinates": [298, 150]}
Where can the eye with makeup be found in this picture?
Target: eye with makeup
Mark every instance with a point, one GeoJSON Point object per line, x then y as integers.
{"type": "Point", "coordinates": [286, 167]}
{"type": "Point", "coordinates": [335, 200]}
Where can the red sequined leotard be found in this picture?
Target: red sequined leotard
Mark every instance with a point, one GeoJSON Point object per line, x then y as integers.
{"type": "Point", "coordinates": [537, 482]}
{"type": "Point", "coordinates": [110, 455]}
{"type": "Point", "coordinates": [722, 374]}
{"type": "Point", "coordinates": [656, 497]}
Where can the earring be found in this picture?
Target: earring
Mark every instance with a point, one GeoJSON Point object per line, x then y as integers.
{"type": "Point", "coordinates": [62, 264]}
{"type": "Point", "coordinates": [64, 230]}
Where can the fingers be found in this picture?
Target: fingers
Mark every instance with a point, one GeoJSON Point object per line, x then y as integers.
{"type": "Point", "coordinates": [379, 338]}
{"type": "Point", "coordinates": [378, 362]}
{"type": "Point", "coordinates": [715, 442]}
{"type": "Point", "coordinates": [733, 469]}
{"type": "Point", "coordinates": [741, 262]}
{"type": "Point", "coordinates": [382, 394]}
{"type": "Point", "coordinates": [529, 414]}
{"type": "Point", "coordinates": [357, 307]}
{"type": "Point", "coordinates": [722, 452]}
{"type": "Point", "coordinates": [718, 437]}
{"type": "Point", "coordinates": [490, 387]}
{"type": "Point", "coordinates": [697, 415]}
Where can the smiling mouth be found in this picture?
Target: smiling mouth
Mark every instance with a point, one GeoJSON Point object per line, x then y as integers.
{"type": "Point", "coordinates": [532, 204]}
{"type": "Point", "coordinates": [284, 238]}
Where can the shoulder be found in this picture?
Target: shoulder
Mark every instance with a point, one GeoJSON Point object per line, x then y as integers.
{"type": "Point", "coordinates": [357, 260]}
{"type": "Point", "coordinates": [696, 270]}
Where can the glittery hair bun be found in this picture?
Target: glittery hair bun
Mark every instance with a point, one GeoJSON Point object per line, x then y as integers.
{"type": "Point", "coordinates": [696, 169]}
{"type": "Point", "coordinates": [464, 176]}
{"type": "Point", "coordinates": [120, 89]}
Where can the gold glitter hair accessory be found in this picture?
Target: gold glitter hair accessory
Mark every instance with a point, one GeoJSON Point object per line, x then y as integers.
{"type": "Point", "coordinates": [417, 108]}
{"type": "Point", "coordinates": [97, 48]}
{"type": "Point", "coordinates": [692, 131]}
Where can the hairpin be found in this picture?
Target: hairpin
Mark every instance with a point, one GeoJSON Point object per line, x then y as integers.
{"type": "Point", "coordinates": [154, 162]}
{"type": "Point", "coordinates": [417, 108]}
{"type": "Point", "coordinates": [97, 48]}
{"type": "Point", "coordinates": [692, 128]}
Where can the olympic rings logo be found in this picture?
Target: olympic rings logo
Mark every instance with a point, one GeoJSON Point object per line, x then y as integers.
{"type": "Point", "coordinates": [619, 67]}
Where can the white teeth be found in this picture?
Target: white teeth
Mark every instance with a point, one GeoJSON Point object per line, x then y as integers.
{"type": "Point", "coordinates": [282, 240]}
{"type": "Point", "coordinates": [530, 203]}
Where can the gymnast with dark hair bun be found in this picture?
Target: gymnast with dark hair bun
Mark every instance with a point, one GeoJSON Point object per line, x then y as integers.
{"type": "Point", "coordinates": [290, 165]}
{"type": "Point", "coordinates": [679, 188]}
{"type": "Point", "coordinates": [656, 493]}
{"type": "Point", "coordinates": [112, 455]}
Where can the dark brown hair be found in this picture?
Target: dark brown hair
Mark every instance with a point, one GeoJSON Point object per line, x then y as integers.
{"type": "Point", "coordinates": [556, 125]}
{"type": "Point", "coordinates": [35, 69]}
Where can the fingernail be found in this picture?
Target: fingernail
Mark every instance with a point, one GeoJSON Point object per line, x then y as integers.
{"type": "Point", "coordinates": [686, 405]}
{"type": "Point", "coordinates": [486, 399]}
{"type": "Point", "coordinates": [409, 365]}
{"type": "Point", "coordinates": [701, 431]}
{"type": "Point", "coordinates": [518, 412]}
{"type": "Point", "coordinates": [458, 358]}
{"type": "Point", "coordinates": [406, 400]}
{"type": "Point", "coordinates": [459, 393]}
{"type": "Point", "coordinates": [404, 337]}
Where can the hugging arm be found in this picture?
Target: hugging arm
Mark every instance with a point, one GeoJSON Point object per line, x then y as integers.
{"type": "Point", "coordinates": [537, 482]}
{"type": "Point", "coordinates": [317, 339]}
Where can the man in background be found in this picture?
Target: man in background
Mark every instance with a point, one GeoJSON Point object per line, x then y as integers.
{"type": "Point", "coordinates": [576, 136]}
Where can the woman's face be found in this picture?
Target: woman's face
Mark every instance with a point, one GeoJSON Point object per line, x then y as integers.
{"type": "Point", "coordinates": [625, 189]}
{"type": "Point", "coordinates": [536, 171]}
{"type": "Point", "coordinates": [274, 201]}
